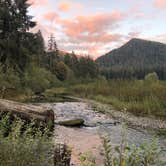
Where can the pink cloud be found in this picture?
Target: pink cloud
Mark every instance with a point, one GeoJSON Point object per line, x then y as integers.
{"type": "Point", "coordinates": [38, 3]}
{"type": "Point", "coordinates": [160, 4]}
{"type": "Point", "coordinates": [163, 35]}
{"type": "Point", "coordinates": [84, 33]}
{"type": "Point", "coordinates": [64, 6]}
{"type": "Point", "coordinates": [88, 25]}
{"type": "Point", "coordinates": [50, 16]}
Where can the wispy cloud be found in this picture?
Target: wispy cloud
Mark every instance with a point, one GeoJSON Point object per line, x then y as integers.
{"type": "Point", "coordinates": [50, 16]}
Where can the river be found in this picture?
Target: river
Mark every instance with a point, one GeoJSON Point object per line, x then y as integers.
{"type": "Point", "coordinates": [87, 139]}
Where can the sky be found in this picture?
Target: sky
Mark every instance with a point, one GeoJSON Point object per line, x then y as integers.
{"type": "Point", "coordinates": [95, 27]}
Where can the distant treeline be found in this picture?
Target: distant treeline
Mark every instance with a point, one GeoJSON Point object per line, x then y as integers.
{"type": "Point", "coordinates": [130, 73]}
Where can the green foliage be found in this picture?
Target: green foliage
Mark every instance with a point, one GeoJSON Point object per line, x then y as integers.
{"type": "Point", "coordinates": [151, 77]}
{"type": "Point", "coordinates": [13, 36]}
{"type": "Point", "coordinates": [5, 125]}
{"type": "Point", "coordinates": [87, 159]}
{"type": "Point", "coordinates": [61, 71]}
{"type": "Point", "coordinates": [39, 79]}
{"type": "Point", "coordinates": [23, 144]}
{"type": "Point", "coordinates": [36, 47]}
{"type": "Point", "coordinates": [9, 81]}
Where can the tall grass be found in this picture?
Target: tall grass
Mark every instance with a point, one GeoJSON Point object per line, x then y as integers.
{"type": "Point", "coordinates": [23, 144]}
{"type": "Point", "coordinates": [139, 97]}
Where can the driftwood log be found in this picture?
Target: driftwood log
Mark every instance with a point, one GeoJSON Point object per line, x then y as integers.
{"type": "Point", "coordinates": [28, 112]}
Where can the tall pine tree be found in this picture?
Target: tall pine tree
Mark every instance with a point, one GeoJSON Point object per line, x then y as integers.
{"type": "Point", "coordinates": [14, 24]}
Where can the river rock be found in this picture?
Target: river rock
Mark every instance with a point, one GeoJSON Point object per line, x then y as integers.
{"type": "Point", "coordinates": [72, 122]}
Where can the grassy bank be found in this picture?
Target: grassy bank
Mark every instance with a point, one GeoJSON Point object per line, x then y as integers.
{"type": "Point", "coordinates": [140, 97]}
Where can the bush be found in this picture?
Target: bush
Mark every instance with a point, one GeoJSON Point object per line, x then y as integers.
{"type": "Point", "coordinates": [24, 144]}
{"type": "Point", "coordinates": [61, 71]}
{"type": "Point", "coordinates": [9, 80]}
{"type": "Point", "coordinates": [39, 79]}
{"type": "Point", "coordinates": [152, 77]}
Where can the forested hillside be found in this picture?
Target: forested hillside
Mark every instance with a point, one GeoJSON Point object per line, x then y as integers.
{"type": "Point", "coordinates": [25, 65]}
{"type": "Point", "coordinates": [135, 59]}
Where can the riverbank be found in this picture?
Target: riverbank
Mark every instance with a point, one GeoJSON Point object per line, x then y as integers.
{"type": "Point", "coordinates": [139, 97]}
{"type": "Point", "coordinates": [142, 122]}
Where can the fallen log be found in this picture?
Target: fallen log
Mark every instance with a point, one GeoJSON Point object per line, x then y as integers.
{"type": "Point", "coordinates": [28, 112]}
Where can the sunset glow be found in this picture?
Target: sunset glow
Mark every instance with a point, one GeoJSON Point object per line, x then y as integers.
{"type": "Point", "coordinates": [95, 27]}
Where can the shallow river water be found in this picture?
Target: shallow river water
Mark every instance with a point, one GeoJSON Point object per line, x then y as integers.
{"type": "Point", "coordinates": [87, 139]}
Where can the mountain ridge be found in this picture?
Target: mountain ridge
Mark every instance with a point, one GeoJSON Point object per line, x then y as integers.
{"type": "Point", "coordinates": [134, 48]}
{"type": "Point", "coordinates": [135, 55]}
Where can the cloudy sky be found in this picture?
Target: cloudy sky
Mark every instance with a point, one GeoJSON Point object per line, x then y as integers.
{"type": "Point", "coordinates": [97, 26]}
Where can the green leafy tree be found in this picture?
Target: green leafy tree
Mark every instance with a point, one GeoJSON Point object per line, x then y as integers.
{"type": "Point", "coordinates": [38, 79]}
{"type": "Point", "coordinates": [61, 71]}
{"type": "Point", "coordinates": [8, 81]}
{"type": "Point", "coordinates": [151, 77]}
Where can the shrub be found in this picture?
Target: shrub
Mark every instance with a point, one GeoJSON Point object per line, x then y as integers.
{"type": "Point", "coordinates": [39, 79]}
{"type": "Point", "coordinates": [9, 81]}
{"type": "Point", "coordinates": [24, 144]}
{"type": "Point", "coordinates": [61, 71]}
{"type": "Point", "coordinates": [151, 77]}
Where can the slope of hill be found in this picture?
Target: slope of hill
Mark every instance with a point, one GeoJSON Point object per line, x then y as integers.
{"type": "Point", "coordinates": [135, 55]}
